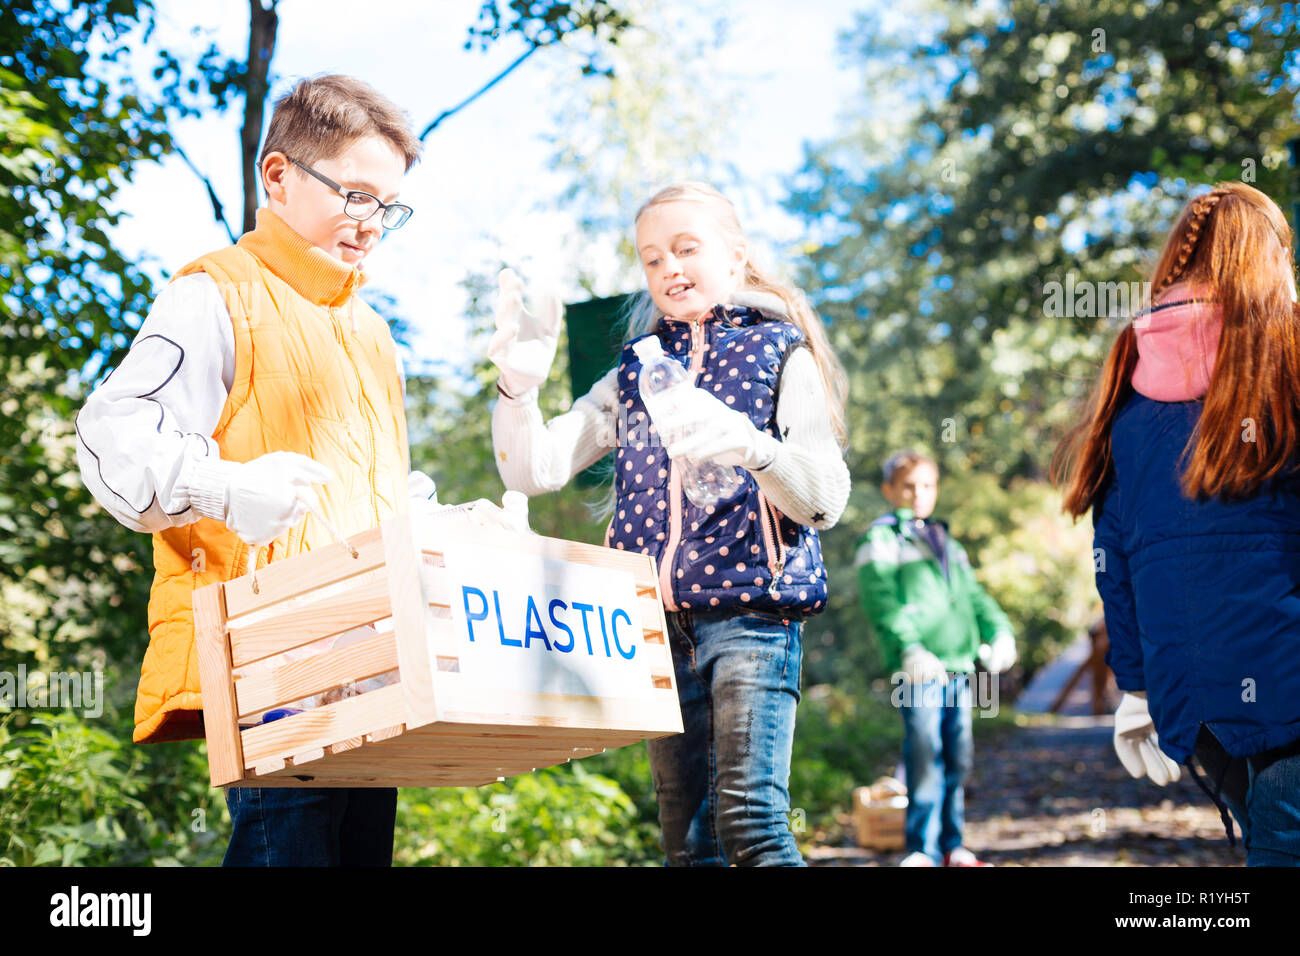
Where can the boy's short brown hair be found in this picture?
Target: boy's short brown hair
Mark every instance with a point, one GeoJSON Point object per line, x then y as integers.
{"type": "Point", "coordinates": [902, 462]}
{"type": "Point", "coordinates": [322, 115]}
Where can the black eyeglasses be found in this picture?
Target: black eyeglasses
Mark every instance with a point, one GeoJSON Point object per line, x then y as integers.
{"type": "Point", "coordinates": [360, 205]}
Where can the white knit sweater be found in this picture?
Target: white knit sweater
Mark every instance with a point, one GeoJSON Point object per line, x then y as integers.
{"type": "Point", "coordinates": [807, 479]}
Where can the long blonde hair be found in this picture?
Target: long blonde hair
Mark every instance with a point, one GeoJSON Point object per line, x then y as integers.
{"type": "Point", "coordinates": [642, 315]}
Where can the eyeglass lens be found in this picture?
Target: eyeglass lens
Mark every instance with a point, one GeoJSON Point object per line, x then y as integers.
{"type": "Point", "coordinates": [361, 207]}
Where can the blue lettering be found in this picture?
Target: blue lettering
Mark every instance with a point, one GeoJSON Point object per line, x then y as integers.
{"type": "Point", "coordinates": [501, 629]}
{"type": "Point", "coordinates": [613, 626]}
{"type": "Point", "coordinates": [534, 632]}
{"type": "Point", "coordinates": [562, 648]}
{"type": "Point", "coordinates": [471, 617]}
{"type": "Point", "coordinates": [586, 631]}
{"type": "Point", "coordinates": [604, 635]}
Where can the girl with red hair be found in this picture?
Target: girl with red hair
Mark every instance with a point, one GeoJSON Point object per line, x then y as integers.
{"type": "Point", "coordinates": [1186, 455]}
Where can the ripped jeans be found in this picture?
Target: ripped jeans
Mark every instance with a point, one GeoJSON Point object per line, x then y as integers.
{"type": "Point", "coordinates": [723, 783]}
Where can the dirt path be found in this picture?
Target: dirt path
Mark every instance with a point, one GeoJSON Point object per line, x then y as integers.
{"type": "Point", "coordinates": [1053, 793]}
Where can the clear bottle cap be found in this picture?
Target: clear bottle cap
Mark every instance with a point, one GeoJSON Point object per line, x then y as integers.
{"type": "Point", "coordinates": [648, 349]}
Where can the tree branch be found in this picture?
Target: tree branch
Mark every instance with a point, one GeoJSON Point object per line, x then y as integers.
{"type": "Point", "coordinates": [481, 90]}
{"type": "Point", "coordinates": [217, 211]}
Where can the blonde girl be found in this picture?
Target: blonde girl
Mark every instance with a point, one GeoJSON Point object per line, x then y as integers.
{"type": "Point", "coordinates": [738, 578]}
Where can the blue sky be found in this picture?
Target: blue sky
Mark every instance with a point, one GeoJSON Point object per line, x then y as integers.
{"type": "Point", "coordinates": [481, 191]}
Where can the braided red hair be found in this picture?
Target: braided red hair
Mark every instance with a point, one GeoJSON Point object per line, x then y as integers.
{"type": "Point", "coordinates": [1236, 241]}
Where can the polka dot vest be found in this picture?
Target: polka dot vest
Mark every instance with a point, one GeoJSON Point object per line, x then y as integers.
{"type": "Point", "coordinates": [742, 552]}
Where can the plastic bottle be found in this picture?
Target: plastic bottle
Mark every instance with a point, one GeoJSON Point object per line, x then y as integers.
{"type": "Point", "coordinates": [664, 386]}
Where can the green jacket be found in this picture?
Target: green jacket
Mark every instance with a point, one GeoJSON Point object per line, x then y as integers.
{"type": "Point", "coordinates": [909, 600]}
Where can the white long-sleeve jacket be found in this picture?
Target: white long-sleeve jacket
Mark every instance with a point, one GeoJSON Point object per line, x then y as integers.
{"type": "Point", "coordinates": [144, 436]}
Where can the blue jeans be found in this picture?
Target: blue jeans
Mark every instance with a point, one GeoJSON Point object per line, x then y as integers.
{"type": "Point", "coordinates": [723, 784]}
{"type": "Point", "coordinates": [937, 752]}
{"type": "Point", "coordinates": [311, 826]}
{"type": "Point", "coordinates": [1264, 797]}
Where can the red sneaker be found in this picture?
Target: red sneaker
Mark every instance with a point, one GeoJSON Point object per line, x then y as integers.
{"type": "Point", "coordinates": [962, 857]}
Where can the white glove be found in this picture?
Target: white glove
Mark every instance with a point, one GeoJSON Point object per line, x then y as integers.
{"type": "Point", "coordinates": [523, 346]}
{"type": "Point", "coordinates": [512, 515]}
{"type": "Point", "coordinates": [423, 493]}
{"type": "Point", "coordinates": [701, 428]}
{"type": "Point", "coordinates": [920, 666]}
{"type": "Point", "coordinates": [1137, 745]}
{"type": "Point", "coordinates": [998, 655]}
{"type": "Point", "coordinates": [261, 499]}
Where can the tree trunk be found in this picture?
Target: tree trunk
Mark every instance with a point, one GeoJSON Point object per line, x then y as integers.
{"type": "Point", "coordinates": [262, 25]}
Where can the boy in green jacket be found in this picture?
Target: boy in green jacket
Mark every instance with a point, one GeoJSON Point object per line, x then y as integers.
{"type": "Point", "coordinates": [933, 619]}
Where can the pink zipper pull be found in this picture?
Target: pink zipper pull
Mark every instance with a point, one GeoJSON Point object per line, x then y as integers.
{"type": "Point", "coordinates": [774, 589]}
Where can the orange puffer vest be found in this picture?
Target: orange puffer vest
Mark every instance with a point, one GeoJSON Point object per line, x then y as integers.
{"type": "Point", "coordinates": [315, 373]}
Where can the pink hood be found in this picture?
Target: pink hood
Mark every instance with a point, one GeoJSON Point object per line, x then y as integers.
{"type": "Point", "coordinates": [1177, 341]}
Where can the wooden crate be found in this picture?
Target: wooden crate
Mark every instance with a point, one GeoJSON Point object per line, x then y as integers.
{"type": "Point", "coordinates": [880, 817]}
{"type": "Point", "coordinates": [440, 724]}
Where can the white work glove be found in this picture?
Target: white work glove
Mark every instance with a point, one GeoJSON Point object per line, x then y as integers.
{"type": "Point", "coordinates": [261, 499]}
{"type": "Point", "coordinates": [1136, 742]}
{"type": "Point", "coordinates": [511, 515]}
{"type": "Point", "coordinates": [701, 428]}
{"type": "Point", "coordinates": [999, 654]}
{"type": "Point", "coordinates": [920, 666]}
{"type": "Point", "coordinates": [423, 493]}
{"type": "Point", "coordinates": [523, 346]}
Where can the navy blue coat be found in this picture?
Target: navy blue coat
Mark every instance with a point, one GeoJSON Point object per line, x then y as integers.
{"type": "Point", "coordinates": [1202, 599]}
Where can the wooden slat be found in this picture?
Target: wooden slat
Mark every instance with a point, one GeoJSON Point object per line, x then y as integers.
{"type": "Point", "coordinates": [424, 750]}
{"type": "Point", "coordinates": [385, 733]}
{"type": "Point", "coordinates": [379, 761]}
{"type": "Point", "coordinates": [365, 604]}
{"type": "Point", "coordinates": [270, 765]}
{"type": "Point", "coordinates": [439, 732]}
{"type": "Point", "coordinates": [220, 725]}
{"type": "Point", "coordinates": [281, 580]}
{"type": "Point", "coordinates": [431, 756]}
{"type": "Point", "coordinates": [298, 679]}
{"type": "Point", "coordinates": [404, 563]}
{"type": "Point", "coordinates": [327, 725]}
{"type": "Point", "coordinates": [307, 756]}
{"type": "Point", "coordinates": [291, 778]}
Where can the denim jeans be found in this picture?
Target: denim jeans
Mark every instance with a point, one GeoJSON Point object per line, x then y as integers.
{"type": "Point", "coordinates": [937, 752]}
{"type": "Point", "coordinates": [311, 826]}
{"type": "Point", "coordinates": [1263, 793]}
{"type": "Point", "coordinates": [723, 784]}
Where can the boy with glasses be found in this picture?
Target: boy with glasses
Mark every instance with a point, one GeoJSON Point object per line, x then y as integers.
{"type": "Point", "coordinates": [261, 403]}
